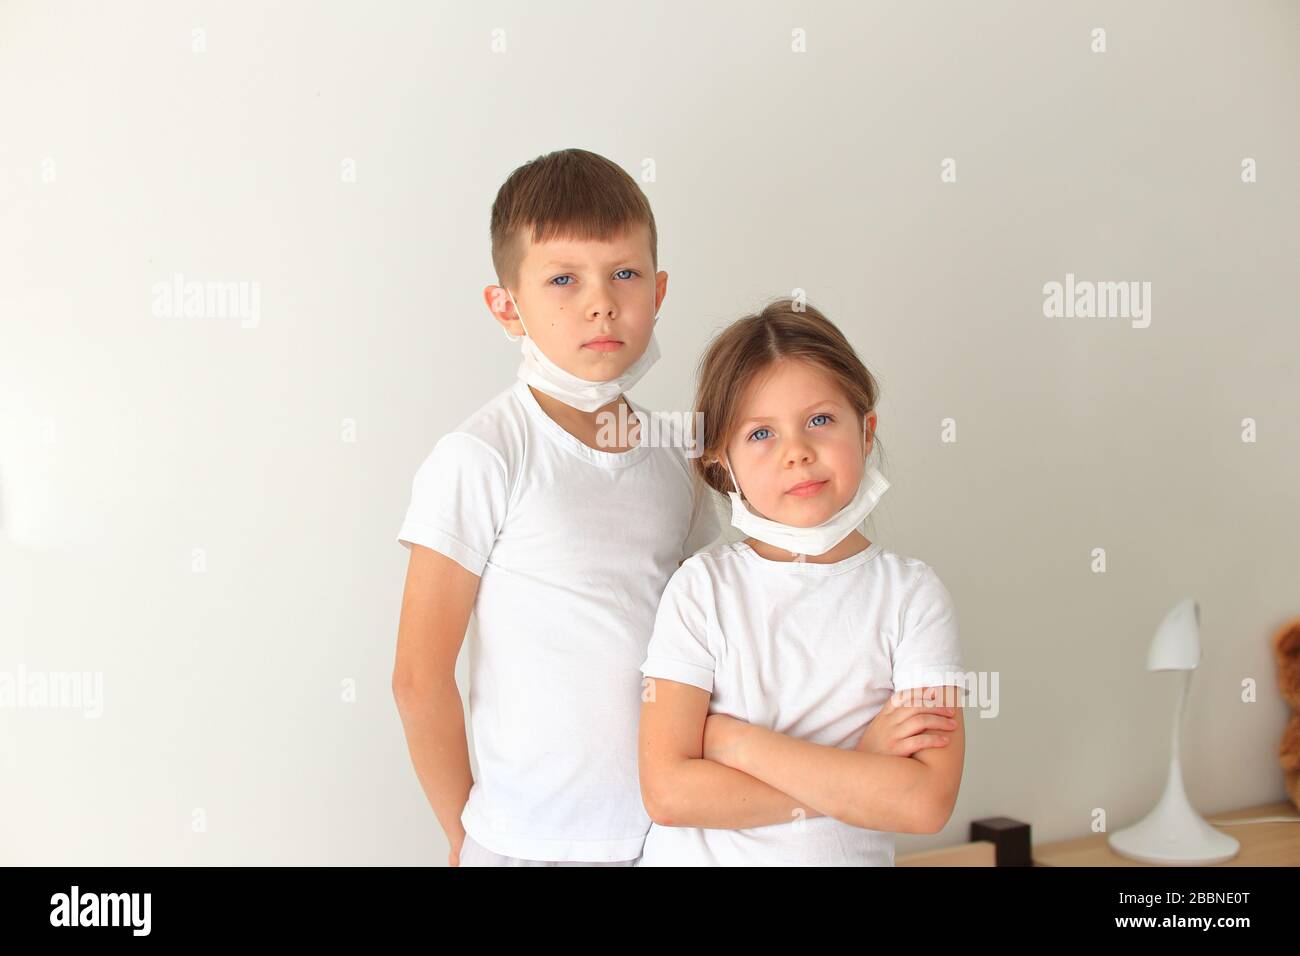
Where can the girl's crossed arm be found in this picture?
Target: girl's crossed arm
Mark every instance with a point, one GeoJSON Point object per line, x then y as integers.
{"type": "Point", "coordinates": [692, 775]}
{"type": "Point", "coordinates": [680, 787]}
{"type": "Point", "coordinates": [879, 792]}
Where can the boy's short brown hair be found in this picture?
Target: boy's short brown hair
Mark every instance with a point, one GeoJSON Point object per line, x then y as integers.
{"type": "Point", "coordinates": [570, 193]}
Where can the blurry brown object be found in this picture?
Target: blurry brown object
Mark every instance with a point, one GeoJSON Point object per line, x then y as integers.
{"type": "Point", "coordinates": [1286, 647]}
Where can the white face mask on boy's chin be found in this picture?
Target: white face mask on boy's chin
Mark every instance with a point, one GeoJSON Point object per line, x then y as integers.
{"type": "Point", "coordinates": [544, 375]}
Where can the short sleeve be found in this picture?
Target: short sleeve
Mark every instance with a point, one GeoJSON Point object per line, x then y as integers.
{"type": "Point", "coordinates": [928, 651]}
{"type": "Point", "coordinates": [705, 526]}
{"type": "Point", "coordinates": [679, 644]}
{"type": "Point", "coordinates": [458, 501]}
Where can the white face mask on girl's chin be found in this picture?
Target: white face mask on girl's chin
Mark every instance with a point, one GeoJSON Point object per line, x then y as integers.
{"type": "Point", "coordinates": [820, 538]}
{"type": "Point", "coordinates": [545, 376]}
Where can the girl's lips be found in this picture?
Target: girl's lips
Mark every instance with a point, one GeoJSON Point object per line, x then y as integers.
{"type": "Point", "coordinates": [806, 488]}
{"type": "Point", "coordinates": [603, 346]}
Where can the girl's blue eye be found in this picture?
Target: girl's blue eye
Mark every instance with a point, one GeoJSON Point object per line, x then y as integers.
{"type": "Point", "coordinates": [557, 281]}
{"type": "Point", "coordinates": [823, 415]}
{"type": "Point", "coordinates": [631, 272]}
{"type": "Point", "coordinates": [755, 432]}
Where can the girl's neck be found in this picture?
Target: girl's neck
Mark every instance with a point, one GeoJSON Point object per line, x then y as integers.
{"type": "Point", "coordinates": [855, 543]}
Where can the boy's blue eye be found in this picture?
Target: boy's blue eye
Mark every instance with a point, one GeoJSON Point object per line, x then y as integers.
{"type": "Point", "coordinates": [822, 415]}
{"type": "Point", "coordinates": [755, 432]}
{"type": "Point", "coordinates": [568, 279]}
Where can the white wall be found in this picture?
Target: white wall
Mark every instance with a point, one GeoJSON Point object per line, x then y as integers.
{"type": "Point", "coordinates": [128, 440]}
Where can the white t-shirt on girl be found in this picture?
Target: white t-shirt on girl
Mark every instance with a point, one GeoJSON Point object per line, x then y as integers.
{"type": "Point", "coordinates": [810, 650]}
{"type": "Point", "coordinates": [573, 546]}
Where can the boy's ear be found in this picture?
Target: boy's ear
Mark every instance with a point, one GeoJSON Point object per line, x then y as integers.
{"type": "Point", "coordinates": [661, 289]}
{"type": "Point", "coordinates": [503, 310]}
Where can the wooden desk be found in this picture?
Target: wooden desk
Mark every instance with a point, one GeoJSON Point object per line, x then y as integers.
{"type": "Point", "coordinates": [1262, 844]}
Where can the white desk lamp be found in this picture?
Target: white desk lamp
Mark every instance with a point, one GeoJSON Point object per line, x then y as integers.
{"type": "Point", "coordinates": [1174, 832]}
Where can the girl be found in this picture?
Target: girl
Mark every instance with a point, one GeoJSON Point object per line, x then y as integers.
{"type": "Point", "coordinates": [771, 732]}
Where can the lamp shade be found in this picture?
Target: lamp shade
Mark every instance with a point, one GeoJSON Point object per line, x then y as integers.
{"type": "Point", "coordinates": [1177, 643]}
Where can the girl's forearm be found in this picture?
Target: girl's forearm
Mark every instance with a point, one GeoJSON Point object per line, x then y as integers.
{"type": "Point", "coordinates": [705, 793]}
{"type": "Point", "coordinates": [874, 791]}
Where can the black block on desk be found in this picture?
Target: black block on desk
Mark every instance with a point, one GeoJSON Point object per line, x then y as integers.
{"type": "Point", "coordinates": [1010, 839]}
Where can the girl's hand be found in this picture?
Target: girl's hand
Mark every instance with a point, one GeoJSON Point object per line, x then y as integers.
{"type": "Point", "coordinates": [899, 729]}
{"type": "Point", "coordinates": [721, 738]}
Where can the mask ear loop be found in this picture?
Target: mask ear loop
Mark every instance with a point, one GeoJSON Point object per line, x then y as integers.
{"type": "Point", "coordinates": [865, 452]}
{"type": "Point", "coordinates": [727, 462]}
{"type": "Point", "coordinates": [514, 338]}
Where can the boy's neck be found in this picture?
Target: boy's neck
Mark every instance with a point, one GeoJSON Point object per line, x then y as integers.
{"type": "Point", "coordinates": [586, 426]}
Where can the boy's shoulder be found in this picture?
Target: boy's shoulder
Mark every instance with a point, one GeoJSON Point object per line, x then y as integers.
{"type": "Point", "coordinates": [496, 420]}
{"type": "Point", "coordinates": [499, 430]}
{"type": "Point", "coordinates": [496, 428]}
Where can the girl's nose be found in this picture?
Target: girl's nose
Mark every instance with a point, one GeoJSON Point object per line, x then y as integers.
{"type": "Point", "coordinates": [798, 452]}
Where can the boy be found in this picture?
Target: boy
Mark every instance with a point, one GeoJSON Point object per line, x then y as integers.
{"type": "Point", "coordinates": [559, 539]}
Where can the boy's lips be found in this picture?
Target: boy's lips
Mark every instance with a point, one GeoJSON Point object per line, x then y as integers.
{"type": "Point", "coordinates": [603, 344]}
